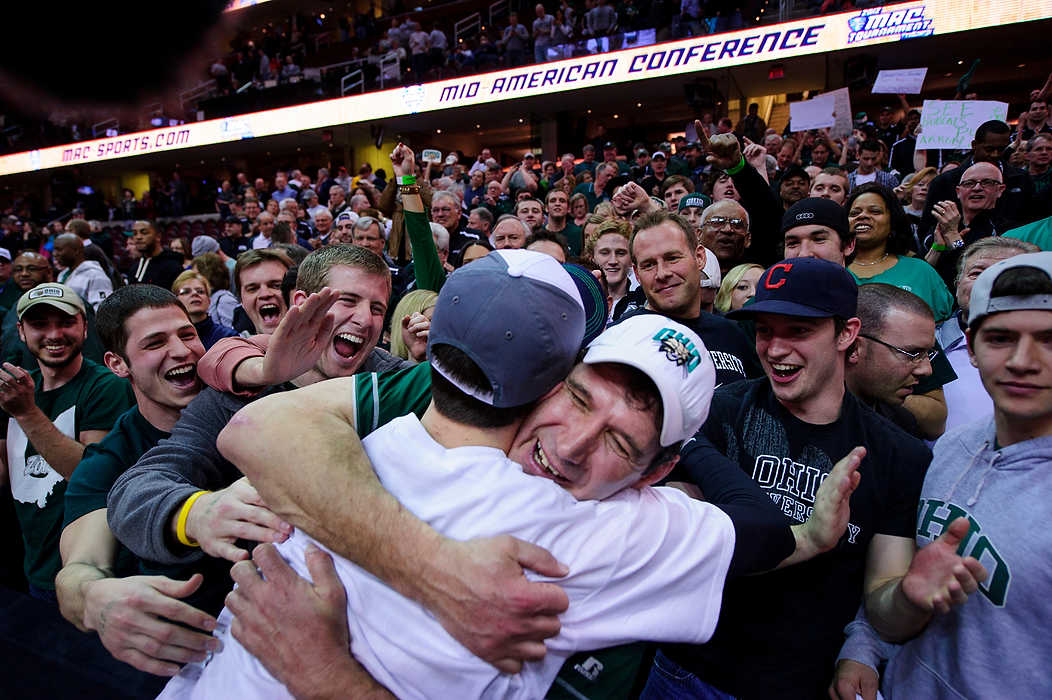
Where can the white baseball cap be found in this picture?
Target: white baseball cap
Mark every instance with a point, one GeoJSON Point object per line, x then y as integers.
{"type": "Point", "coordinates": [712, 271]}
{"type": "Point", "coordinates": [674, 358]}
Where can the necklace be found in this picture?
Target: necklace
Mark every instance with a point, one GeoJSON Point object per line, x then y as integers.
{"type": "Point", "coordinates": [875, 262]}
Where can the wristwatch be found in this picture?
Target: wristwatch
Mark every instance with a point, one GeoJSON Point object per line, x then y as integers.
{"type": "Point", "coordinates": [958, 244]}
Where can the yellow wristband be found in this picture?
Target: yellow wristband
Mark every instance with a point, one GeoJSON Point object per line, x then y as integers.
{"type": "Point", "coordinates": [180, 523]}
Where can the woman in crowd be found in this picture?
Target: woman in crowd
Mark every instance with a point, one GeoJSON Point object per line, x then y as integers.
{"type": "Point", "coordinates": [222, 302]}
{"type": "Point", "coordinates": [913, 194]}
{"type": "Point", "coordinates": [883, 239]}
{"type": "Point", "coordinates": [579, 209]}
{"type": "Point", "coordinates": [410, 323]}
{"type": "Point", "coordinates": [181, 245]}
{"type": "Point", "coordinates": [192, 289]}
{"type": "Point", "coordinates": [738, 287]}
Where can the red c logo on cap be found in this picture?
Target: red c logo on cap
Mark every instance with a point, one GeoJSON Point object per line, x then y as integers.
{"type": "Point", "coordinates": [770, 273]}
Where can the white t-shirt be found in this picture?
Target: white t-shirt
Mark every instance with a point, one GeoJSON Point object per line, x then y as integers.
{"type": "Point", "coordinates": [645, 564]}
{"type": "Point", "coordinates": [861, 179]}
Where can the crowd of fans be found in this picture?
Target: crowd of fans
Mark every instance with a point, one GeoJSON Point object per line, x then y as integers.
{"type": "Point", "coordinates": [865, 274]}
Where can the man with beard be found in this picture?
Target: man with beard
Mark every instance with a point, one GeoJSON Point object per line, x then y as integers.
{"type": "Point", "coordinates": [155, 265]}
{"type": "Point", "coordinates": [66, 403]}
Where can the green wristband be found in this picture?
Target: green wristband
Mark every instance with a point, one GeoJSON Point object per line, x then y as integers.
{"type": "Point", "coordinates": [939, 247]}
{"type": "Point", "coordinates": [406, 179]}
{"type": "Point", "coordinates": [737, 168]}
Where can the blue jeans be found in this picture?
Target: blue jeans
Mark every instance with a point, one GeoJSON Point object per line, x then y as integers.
{"type": "Point", "coordinates": [669, 681]}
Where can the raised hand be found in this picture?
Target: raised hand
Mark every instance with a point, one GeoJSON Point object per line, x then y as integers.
{"type": "Point", "coordinates": [299, 340]}
{"type": "Point", "coordinates": [403, 161]}
{"type": "Point", "coordinates": [939, 578]}
{"type": "Point", "coordinates": [17, 390]}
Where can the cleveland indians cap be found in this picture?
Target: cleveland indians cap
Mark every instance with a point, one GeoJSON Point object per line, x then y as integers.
{"type": "Point", "coordinates": [674, 358]}
{"type": "Point", "coordinates": [816, 211]}
{"type": "Point", "coordinates": [809, 287]}
{"type": "Point", "coordinates": [53, 294]}
{"type": "Point", "coordinates": [518, 315]}
{"type": "Point", "coordinates": [982, 304]}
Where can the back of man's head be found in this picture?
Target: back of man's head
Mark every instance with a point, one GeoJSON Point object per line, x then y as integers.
{"type": "Point", "coordinates": [491, 355]}
{"type": "Point", "coordinates": [80, 227]}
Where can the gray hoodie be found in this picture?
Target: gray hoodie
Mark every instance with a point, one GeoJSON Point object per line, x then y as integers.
{"type": "Point", "coordinates": [997, 644]}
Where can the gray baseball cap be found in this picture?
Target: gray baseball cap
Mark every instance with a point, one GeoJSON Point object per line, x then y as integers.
{"type": "Point", "coordinates": [982, 304]}
{"type": "Point", "coordinates": [518, 315]}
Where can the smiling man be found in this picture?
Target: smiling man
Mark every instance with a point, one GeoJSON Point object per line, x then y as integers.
{"type": "Point", "coordinates": [995, 472]}
{"type": "Point", "coordinates": [779, 633]}
{"type": "Point", "coordinates": [257, 278]}
{"type": "Point", "coordinates": [156, 265]}
{"type": "Point", "coordinates": [151, 341]}
{"type": "Point", "coordinates": [668, 262]}
{"type": "Point", "coordinates": [65, 404]}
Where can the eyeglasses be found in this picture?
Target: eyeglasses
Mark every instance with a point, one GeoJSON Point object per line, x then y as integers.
{"type": "Point", "coordinates": [187, 291]}
{"type": "Point", "coordinates": [735, 223]}
{"type": "Point", "coordinates": [986, 183]}
{"type": "Point", "coordinates": [914, 356]}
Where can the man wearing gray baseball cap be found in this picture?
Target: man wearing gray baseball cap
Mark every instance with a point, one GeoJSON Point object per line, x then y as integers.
{"type": "Point", "coordinates": [988, 483]}
{"type": "Point", "coordinates": [611, 428]}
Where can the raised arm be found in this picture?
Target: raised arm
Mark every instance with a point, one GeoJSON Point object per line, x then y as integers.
{"type": "Point", "coordinates": [17, 398]}
{"type": "Point", "coordinates": [429, 271]}
{"type": "Point", "coordinates": [476, 589]}
{"type": "Point", "coordinates": [905, 587]}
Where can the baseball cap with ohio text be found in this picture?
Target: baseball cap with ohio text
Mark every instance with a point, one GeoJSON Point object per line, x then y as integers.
{"type": "Point", "coordinates": [809, 287]}
{"type": "Point", "coordinates": [674, 358]}
{"type": "Point", "coordinates": [53, 294]}
{"type": "Point", "coordinates": [518, 315]}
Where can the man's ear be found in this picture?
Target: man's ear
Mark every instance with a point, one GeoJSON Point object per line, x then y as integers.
{"type": "Point", "coordinates": [116, 364]}
{"type": "Point", "coordinates": [702, 256]}
{"type": "Point", "coordinates": [971, 348]}
{"type": "Point", "coordinates": [657, 474]}
{"type": "Point", "coordinates": [847, 337]}
{"type": "Point", "coordinates": [298, 297]}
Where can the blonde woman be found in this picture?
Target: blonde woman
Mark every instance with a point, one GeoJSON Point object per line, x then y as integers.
{"type": "Point", "coordinates": [738, 287]}
{"type": "Point", "coordinates": [410, 324]}
{"type": "Point", "coordinates": [194, 292]}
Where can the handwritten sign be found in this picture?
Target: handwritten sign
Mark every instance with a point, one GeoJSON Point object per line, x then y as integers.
{"type": "Point", "coordinates": [952, 123]}
{"type": "Point", "coordinates": [815, 113]}
{"type": "Point", "coordinates": [843, 124]}
{"type": "Point", "coordinates": [900, 82]}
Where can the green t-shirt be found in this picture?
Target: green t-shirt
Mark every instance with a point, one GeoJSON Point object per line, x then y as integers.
{"type": "Point", "coordinates": [574, 237]}
{"type": "Point", "coordinates": [1039, 233]}
{"type": "Point", "coordinates": [588, 191]}
{"type": "Point", "coordinates": [132, 437]}
{"type": "Point", "coordinates": [380, 397]}
{"type": "Point", "coordinates": [920, 278]}
{"type": "Point", "coordinates": [604, 674]}
{"type": "Point", "coordinates": [92, 400]}
{"type": "Point", "coordinates": [102, 463]}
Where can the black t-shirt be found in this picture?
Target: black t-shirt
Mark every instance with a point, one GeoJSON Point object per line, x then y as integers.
{"type": "Point", "coordinates": [731, 352]}
{"type": "Point", "coordinates": [779, 633]}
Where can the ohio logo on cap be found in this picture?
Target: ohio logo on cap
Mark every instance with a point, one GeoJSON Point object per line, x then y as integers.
{"type": "Point", "coordinates": [40, 292]}
{"type": "Point", "coordinates": [678, 348]}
